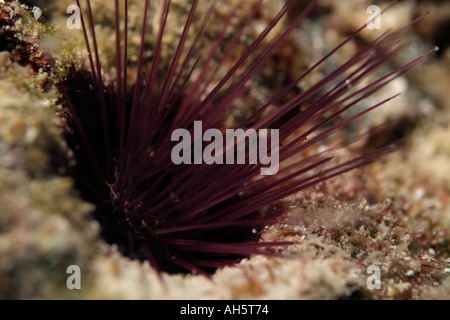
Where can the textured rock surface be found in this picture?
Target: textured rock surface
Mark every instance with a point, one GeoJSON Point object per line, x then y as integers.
{"type": "Point", "coordinates": [394, 214]}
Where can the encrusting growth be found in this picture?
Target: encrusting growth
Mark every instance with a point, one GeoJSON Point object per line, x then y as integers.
{"type": "Point", "coordinates": [198, 217]}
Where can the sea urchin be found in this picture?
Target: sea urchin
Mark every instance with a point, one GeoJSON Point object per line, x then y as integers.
{"type": "Point", "coordinates": [194, 215]}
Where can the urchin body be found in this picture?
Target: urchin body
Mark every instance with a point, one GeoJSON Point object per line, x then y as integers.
{"type": "Point", "coordinates": [200, 216]}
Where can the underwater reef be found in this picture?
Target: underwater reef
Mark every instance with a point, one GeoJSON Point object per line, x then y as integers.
{"type": "Point", "coordinates": [392, 215]}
